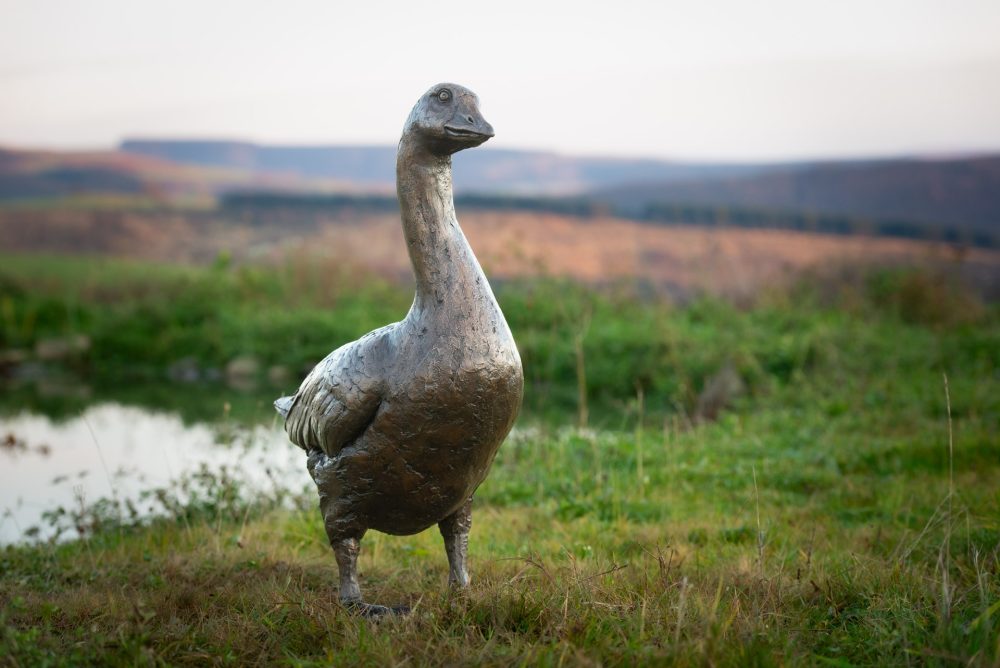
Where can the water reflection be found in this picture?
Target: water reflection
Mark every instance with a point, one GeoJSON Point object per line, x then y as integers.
{"type": "Point", "coordinates": [112, 450]}
{"type": "Point", "coordinates": [12, 445]}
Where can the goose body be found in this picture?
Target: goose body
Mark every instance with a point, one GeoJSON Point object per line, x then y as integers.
{"type": "Point", "coordinates": [401, 426]}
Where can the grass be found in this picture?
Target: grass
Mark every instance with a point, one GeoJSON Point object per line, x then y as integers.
{"type": "Point", "coordinates": [841, 511]}
{"type": "Point", "coordinates": [575, 561]}
{"type": "Point", "coordinates": [604, 346]}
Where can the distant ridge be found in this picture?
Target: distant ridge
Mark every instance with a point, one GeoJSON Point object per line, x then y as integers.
{"type": "Point", "coordinates": [957, 191]}
{"type": "Point", "coordinates": [953, 199]}
{"type": "Point", "coordinates": [488, 170]}
{"type": "Point", "coordinates": [365, 165]}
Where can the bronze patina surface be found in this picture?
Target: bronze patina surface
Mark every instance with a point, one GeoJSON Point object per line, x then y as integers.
{"type": "Point", "coordinates": [401, 426]}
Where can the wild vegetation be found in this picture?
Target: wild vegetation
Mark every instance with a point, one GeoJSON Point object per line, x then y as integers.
{"type": "Point", "coordinates": [807, 479]}
{"type": "Point", "coordinates": [140, 319]}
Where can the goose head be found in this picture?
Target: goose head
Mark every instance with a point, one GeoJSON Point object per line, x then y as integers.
{"type": "Point", "coordinates": [446, 119]}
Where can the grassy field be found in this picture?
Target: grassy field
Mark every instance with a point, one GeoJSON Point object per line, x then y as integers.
{"type": "Point", "coordinates": [842, 508]}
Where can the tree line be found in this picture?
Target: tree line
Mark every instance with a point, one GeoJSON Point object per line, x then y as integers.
{"type": "Point", "coordinates": [247, 204]}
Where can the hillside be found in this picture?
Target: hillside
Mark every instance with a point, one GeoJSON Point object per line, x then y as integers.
{"type": "Point", "coordinates": [955, 200]}
{"type": "Point", "coordinates": [908, 192]}
{"type": "Point", "coordinates": [489, 170]}
{"type": "Point", "coordinates": [53, 177]}
{"type": "Point", "coordinates": [964, 192]}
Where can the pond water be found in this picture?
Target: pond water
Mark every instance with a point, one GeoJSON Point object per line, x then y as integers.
{"type": "Point", "coordinates": [112, 450]}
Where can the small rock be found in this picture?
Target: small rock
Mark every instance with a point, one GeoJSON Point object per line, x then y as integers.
{"type": "Point", "coordinates": [184, 370]}
{"type": "Point", "coordinates": [719, 392]}
{"type": "Point", "coordinates": [55, 349]}
{"type": "Point", "coordinates": [59, 386]}
{"type": "Point", "coordinates": [30, 372]}
{"type": "Point", "coordinates": [242, 368]}
{"type": "Point", "coordinates": [13, 356]}
{"type": "Point", "coordinates": [242, 383]}
{"type": "Point", "coordinates": [278, 374]}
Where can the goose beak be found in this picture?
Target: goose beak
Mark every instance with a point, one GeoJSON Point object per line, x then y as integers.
{"type": "Point", "coordinates": [485, 129]}
{"type": "Point", "coordinates": [470, 127]}
{"type": "Point", "coordinates": [468, 124]}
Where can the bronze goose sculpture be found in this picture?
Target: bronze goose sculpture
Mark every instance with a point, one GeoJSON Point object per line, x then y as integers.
{"type": "Point", "coordinates": [401, 426]}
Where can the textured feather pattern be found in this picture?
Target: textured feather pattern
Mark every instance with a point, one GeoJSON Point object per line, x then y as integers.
{"type": "Point", "coordinates": [283, 405]}
{"type": "Point", "coordinates": [402, 425]}
{"type": "Point", "coordinates": [338, 399]}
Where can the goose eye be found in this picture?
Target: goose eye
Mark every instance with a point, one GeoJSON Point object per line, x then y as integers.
{"type": "Point", "coordinates": [444, 95]}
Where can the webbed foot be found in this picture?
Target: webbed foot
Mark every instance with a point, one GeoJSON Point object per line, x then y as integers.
{"type": "Point", "coordinates": [374, 611]}
{"type": "Point", "coordinates": [346, 551]}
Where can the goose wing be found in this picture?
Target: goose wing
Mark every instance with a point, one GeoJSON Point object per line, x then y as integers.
{"type": "Point", "coordinates": [338, 400]}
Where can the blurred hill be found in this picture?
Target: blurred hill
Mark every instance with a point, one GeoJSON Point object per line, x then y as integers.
{"type": "Point", "coordinates": [958, 191]}
{"type": "Point", "coordinates": [487, 170]}
{"type": "Point", "coordinates": [55, 178]}
{"type": "Point", "coordinates": [963, 191]}
{"type": "Point", "coordinates": [954, 200]}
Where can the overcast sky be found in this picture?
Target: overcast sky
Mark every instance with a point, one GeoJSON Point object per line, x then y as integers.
{"type": "Point", "coordinates": [735, 80]}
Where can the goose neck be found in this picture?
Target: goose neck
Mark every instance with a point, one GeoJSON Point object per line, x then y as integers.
{"type": "Point", "coordinates": [427, 208]}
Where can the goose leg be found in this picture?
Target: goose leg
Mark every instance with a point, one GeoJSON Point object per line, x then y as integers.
{"type": "Point", "coordinates": [455, 531]}
{"type": "Point", "coordinates": [345, 539]}
{"type": "Point", "coordinates": [346, 550]}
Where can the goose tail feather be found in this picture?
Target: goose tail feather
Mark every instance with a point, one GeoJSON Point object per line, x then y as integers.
{"type": "Point", "coordinates": [283, 405]}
